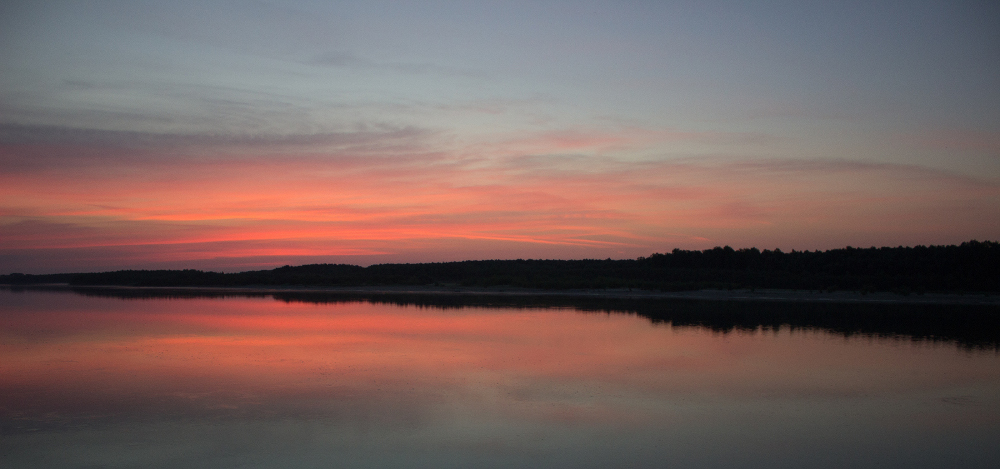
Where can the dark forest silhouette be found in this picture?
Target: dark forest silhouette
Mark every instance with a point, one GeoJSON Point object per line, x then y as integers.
{"type": "Point", "coordinates": [972, 266]}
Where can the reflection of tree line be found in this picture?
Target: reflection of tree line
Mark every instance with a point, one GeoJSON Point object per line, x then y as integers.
{"type": "Point", "coordinates": [969, 267]}
{"type": "Point", "coordinates": [968, 326]}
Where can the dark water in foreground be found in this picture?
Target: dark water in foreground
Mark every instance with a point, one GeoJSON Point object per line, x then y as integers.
{"type": "Point", "coordinates": [127, 379]}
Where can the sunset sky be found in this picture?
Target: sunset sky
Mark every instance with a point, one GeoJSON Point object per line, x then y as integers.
{"type": "Point", "coordinates": [242, 135]}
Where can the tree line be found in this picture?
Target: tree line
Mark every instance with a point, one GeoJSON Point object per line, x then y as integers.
{"type": "Point", "coordinates": [972, 266]}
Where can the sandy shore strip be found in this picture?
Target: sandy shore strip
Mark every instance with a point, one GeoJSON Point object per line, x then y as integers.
{"type": "Point", "coordinates": [710, 295]}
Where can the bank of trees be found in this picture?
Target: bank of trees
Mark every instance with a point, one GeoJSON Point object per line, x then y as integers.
{"type": "Point", "coordinates": [969, 267]}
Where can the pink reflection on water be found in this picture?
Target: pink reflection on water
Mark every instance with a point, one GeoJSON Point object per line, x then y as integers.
{"type": "Point", "coordinates": [90, 381]}
{"type": "Point", "coordinates": [66, 353]}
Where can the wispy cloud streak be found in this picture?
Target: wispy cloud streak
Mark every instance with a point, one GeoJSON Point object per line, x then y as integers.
{"type": "Point", "coordinates": [380, 194]}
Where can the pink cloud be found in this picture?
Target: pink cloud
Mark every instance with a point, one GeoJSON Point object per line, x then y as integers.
{"type": "Point", "coordinates": [409, 206]}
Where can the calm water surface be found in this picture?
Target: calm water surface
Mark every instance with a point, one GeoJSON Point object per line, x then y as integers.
{"type": "Point", "coordinates": [89, 381]}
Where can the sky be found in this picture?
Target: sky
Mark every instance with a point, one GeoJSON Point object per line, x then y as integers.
{"type": "Point", "coordinates": [244, 135]}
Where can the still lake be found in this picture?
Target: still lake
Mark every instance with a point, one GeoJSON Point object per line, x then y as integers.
{"type": "Point", "coordinates": [160, 379]}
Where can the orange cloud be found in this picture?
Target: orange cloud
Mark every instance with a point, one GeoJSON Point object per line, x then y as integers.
{"type": "Point", "coordinates": [192, 204]}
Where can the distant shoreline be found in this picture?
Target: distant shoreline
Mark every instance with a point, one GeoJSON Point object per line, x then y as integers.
{"type": "Point", "coordinates": [920, 274]}
{"type": "Point", "coordinates": [777, 295]}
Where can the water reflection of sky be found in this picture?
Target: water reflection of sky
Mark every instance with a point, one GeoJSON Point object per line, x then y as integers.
{"type": "Point", "coordinates": [257, 382]}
